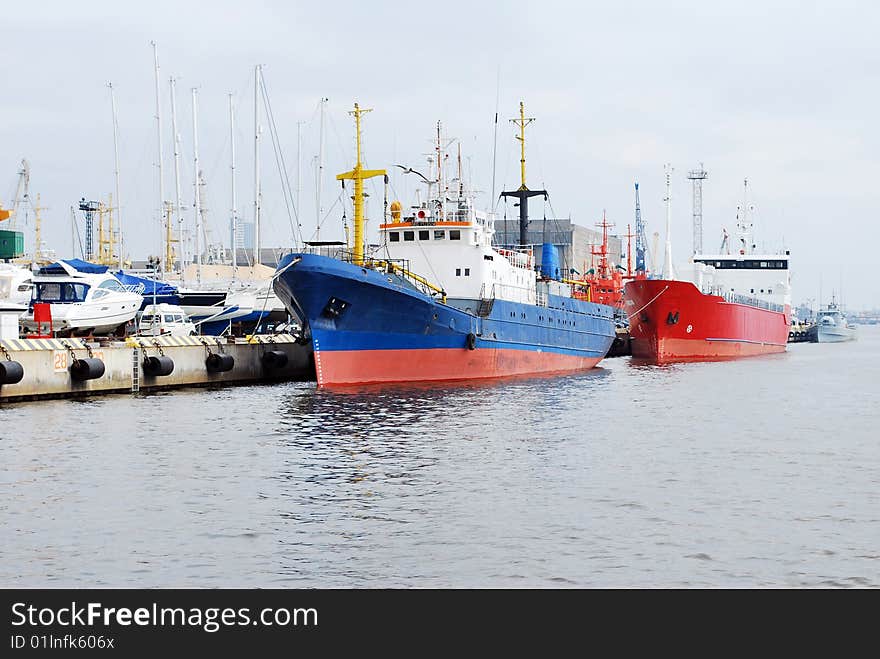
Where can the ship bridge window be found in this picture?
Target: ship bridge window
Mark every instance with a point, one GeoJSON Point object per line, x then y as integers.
{"type": "Point", "coordinates": [424, 235]}
{"type": "Point", "coordinates": [409, 236]}
{"type": "Point", "coordinates": [455, 234]}
{"type": "Point", "coordinates": [394, 236]}
{"type": "Point", "coordinates": [439, 235]}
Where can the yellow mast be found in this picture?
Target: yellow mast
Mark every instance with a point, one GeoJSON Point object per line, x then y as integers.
{"type": "Point", "coordinates": [101, 242]}
{"type": "Point", "coordinates": [169, 237]}
{"type": "Point", "coordinates": [110, 240]}
{"type": "Point", "coordinates": [522, 122]}
{"type": "Point", "coordinates": [359, 175]}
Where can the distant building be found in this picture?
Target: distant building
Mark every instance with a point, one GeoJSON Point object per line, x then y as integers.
{"type": "Point", "coordinates": [572, 240]}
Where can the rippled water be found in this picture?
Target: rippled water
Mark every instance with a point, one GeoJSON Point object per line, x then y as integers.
{"type": "Point", "coordinates": [760, 472]}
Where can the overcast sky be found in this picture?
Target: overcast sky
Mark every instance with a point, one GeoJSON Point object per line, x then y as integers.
{"type": "Point", "coordinates": [783, 93]}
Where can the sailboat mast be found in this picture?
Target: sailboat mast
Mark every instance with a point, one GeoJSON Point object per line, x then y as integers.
{"type": "Point", "coordinates": [116, 172]}
{"type": "Point", "coordinates": [233, 218]}
{"type": "Point", "coordinates": [320, 177]}
{"type": "Point", "coordinates": [177, 208]}
{"type": "Point", "coordinates": [299, 165]}
{"type": "Point", "coordinates": [668, 271]}
{"type": "Point", "coordinates": [165, 266]}
{"type": "Point", "coordinates": [256, 164]}
{"type": "Point", "coordinates": [197, 242]}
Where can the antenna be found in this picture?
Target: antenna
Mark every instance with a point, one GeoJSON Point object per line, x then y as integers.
{"type": "Point", "coordinates": [668, 270]}
{"type": "Point", "coordinates": [697, 176]}
{"type": "Point", "coordinates": [495, 142]}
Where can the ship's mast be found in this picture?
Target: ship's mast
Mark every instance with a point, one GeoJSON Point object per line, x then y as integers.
{"type": "Point", "coordinates": [257, 191]}
{"type": "Point", "coordinates": [233, 218]}
{"type": "Point", "coordinates": [523, 193]}
{"type": "Point", "coordinates": [743, 226]}
{"type": "Point", "coordinates": [165, 266]}
{"type": "Point", "coordinates": [121, 242]}
{"type": "Point", "coordinates": [198, 205]}
{"type": "Point", "coordinates": [319, 179]}
{"type": "Point", "coordinates": [668, 270]}
{"type": "Point", "coordinates": [359, 175]}
{"type": "Point", "coordinates": [178, 207]}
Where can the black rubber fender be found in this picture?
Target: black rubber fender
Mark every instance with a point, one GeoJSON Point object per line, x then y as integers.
{"type": "Point", "coordinates": [274, 359]}
{"type": "Point", "coordinates": [11, 372]}
{"type": "Point", "coordinates": [471, 341]}
{"type": "Point", "coordinates": [158, 366]}
{"type": "Point", "coordinates": [90, 368]}
{"type": "Point", "coordinates": [219, 362]}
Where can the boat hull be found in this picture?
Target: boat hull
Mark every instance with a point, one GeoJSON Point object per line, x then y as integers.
{"type": "Point", "coordinates": [372, 327]}
{"type": "Point", "coordinates": [674, 321]}
{"type": "Point", "coordinates": [836, 334]}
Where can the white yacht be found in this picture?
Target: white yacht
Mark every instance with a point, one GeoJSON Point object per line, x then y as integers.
{"type": "Point", "coordinates": [16, 283]}
{"type": "Point", "coordinates": [88, 301]}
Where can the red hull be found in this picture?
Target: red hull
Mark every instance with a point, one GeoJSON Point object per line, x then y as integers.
{"type": "Point", "coordinates": [346, 367]}
{"type": "Point", "coordinates": [674, 321]}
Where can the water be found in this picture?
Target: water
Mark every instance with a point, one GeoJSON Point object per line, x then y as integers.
{"type": "Point", "coordinates": [760, 472]}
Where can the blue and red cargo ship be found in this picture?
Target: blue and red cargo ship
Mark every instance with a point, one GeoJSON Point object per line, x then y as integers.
{"type": "Point", "coordinates": [486, 313]}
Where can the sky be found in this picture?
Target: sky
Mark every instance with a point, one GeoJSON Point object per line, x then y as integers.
{"type": "Point", "coordinates": [784, 94]}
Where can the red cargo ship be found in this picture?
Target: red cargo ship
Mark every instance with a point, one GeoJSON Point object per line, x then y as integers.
{"type": "Point", "coordinates": [728, 305]}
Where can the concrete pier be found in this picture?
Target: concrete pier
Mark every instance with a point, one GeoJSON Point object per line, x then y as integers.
{"type": "Point", "coordinates": [52, 367]}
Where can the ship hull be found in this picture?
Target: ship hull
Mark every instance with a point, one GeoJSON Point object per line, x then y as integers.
{"type": "Point", "coordinates": [835, 334]}
{"type": "Point", "coordinates": [673, 321]}
{"type": "Point", "coordinates": [372, 327]}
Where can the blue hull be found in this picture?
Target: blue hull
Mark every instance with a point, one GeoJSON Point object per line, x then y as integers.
{"type": "Point", "coordinates": [370, 326]}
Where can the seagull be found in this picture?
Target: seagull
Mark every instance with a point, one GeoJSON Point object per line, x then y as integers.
{"type": "Point", "coordinates": [410, 170]}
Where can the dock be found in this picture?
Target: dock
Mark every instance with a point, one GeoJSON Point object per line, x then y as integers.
{"type": "Point", "coordinates": [33, 369]}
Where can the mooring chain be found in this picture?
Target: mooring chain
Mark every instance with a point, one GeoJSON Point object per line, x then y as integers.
{"type": "Point", "coordinates": [5, 353]}
{"type": "Point", "coordinates": [159, 348]}
{"type": "Point", "coordinates": [70, 351]}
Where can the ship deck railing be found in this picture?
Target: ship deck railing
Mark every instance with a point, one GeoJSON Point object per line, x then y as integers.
{"type": "Point", "coordinates": [737, 298]}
